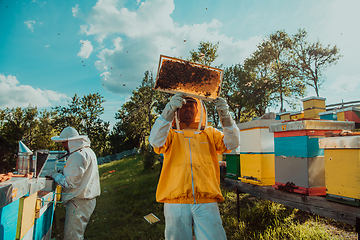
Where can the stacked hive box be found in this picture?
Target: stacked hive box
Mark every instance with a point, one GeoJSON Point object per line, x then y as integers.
{"type": "Point", "coordinates": [299, 163]}
{"type": "Point", "coordinates": [45, 205]}
{"type": "Point", "coordinates": [284, 116]}
{"type": "Point", "coordinates": [296, 115]}
{"type": "Point", "coordinates": [313, 106]}
{"type": "Point", "coordinates": [257, 152]}
{"type": "Point", "coordinates": [328, 115]}
{"type": "Point", "coordinates": [342, 168]}
{"type": "Point", "coordinates": [232, 165]}
{"type": "Point", "coordinates": [349, 114]}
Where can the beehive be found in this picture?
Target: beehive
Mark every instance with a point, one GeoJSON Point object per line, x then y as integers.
{"type": "Point", "coordinates": [296, 115]}
{"type": "Point", "coordinates": [313, 106]}
{"type": "Point", "coordinates": [284, 116]}
{"type": "Point", "coordinates": [232, 166]}
{"type": "Point", "coordinates": [328, 115]}
{"type": "Point", "coordinates": [8, 220]}
{"type": "Point", "coordinates": [349, 114]}
{"type": "Point", "coordinates": [342, 168]}
{"type": "Point", "coordinates": [44, 215]}
{"type": "Point", "coordinates": [197, 80]}
{"type": "Point", "coordinates": [26, 220]}
{"type": "Point", "coordinates": [299, 162]}
{"type": "Point", "coordinates": [257, 152]}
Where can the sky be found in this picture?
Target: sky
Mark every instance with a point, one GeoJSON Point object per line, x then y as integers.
{"type": "Point", "coordinates": [51, 50]}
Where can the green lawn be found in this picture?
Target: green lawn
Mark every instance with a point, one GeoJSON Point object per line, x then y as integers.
{"type": "Point", "coordinates": [128, 194]}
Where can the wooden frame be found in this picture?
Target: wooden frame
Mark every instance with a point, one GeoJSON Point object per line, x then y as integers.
{"type": "Point", "coordinates": [196, 80]}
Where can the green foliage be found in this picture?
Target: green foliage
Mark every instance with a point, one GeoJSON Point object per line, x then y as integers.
{"type": "Point", "coordinates": [271, 62]}
{"type": "Point", "coordinates": [312, 59]}
{"type": "Point", "coordinates": [137, 116]}
{"type": "Point", "coordinates": [28, 125]}
{"type": "Point", "coordinates": [206, 53]}
{"type": "Point", "coordinates": [83, 114]}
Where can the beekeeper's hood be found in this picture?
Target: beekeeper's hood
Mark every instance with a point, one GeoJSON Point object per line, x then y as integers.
{"type": "Point", "coordinates": [200, 122]}
{"type": "Point", "coordinates": [75, 141]}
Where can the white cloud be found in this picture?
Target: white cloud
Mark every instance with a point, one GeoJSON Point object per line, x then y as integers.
{"type": "Point", "coordinates": [30, 24]}
{"type": "Point", "coordinates": [86, 49]}
{"type": "Point", "coordinates": [47, 46]}
{"type": "Point", "coordinates": [346, 84]}
{"type": "Point", "coordinates": [12, 94]}
{"type": "Point", "coordinates": [145, 33]}
{"type": "Point", "coordinates": [75, 10]}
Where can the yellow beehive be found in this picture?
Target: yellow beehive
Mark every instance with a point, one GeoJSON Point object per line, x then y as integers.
{"type": "Point", "coordinates": [313, 113]}
{"type": "Point", "coordinates": [340, 116]}
{"type": "Point", "coordinates": [284, 116]}
{"type": "Point", "coordinates": [342, 172]}
{"type": "Point", "coordinates": [258, 169]}
{"type": "Point", "coordinates": [313, 102]}
{"type": "Point", "coordinates": [297, 115]}
{"type": "Point", "coordinates": [26, 216]}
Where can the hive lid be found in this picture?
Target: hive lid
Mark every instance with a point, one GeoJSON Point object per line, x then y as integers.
{"type": "Point", "coordinates": [313, 98]}
{"type": "Point", "coordinates": [340, 142]}
{"type": "Point", "coordinates": [258, 123]}
{"type": "Point", "coordinates": [23, 149]}
{"type": "Point", "coordinates": [196, 80]}
{"type": "Point", "coordinates": [312, 124]}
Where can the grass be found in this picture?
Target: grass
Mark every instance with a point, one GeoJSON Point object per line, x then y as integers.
{"type": "Point", "coordinates": [128, 194]}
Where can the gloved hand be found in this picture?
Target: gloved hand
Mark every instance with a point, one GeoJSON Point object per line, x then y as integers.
{"type": "Point", "coordinates": [51, 174]}
{"type": "Point", "coordinates": [223, 109]}
{"type": "Point", "coordinates": [176, 102]}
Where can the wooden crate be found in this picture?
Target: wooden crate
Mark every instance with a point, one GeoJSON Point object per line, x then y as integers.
{"type": "Point", "coordinates": [258, 169]}
{"type": "Point", "coordinates": [301, 175]}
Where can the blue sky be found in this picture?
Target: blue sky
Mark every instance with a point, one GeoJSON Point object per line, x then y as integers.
{"type": "Point", "coordinates": [51, 50]}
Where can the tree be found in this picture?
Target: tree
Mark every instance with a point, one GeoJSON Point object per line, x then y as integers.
{"type": "Point", "coordinates": [274, 56]}
{"type": "Point", "coordinates": [206, 54]}
{"type": "Point", "coordinates": [313, 58]}
{"type": "Point", "coordinates": [83, 114]}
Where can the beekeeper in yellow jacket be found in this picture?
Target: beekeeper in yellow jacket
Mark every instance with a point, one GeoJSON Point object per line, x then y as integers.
{"type": "Point", "coordinates": [190, 177]}
{"type": "Point", "coordinates": [79, 181]}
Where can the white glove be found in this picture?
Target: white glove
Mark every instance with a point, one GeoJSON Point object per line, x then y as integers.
{"type": "Point", "coordinates": [176, 102]}
{"type": "Point", "coordinates": [223, 109]}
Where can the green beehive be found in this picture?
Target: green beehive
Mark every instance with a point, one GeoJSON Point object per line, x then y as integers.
{"type": "Point", "coordinates": [232, 166]}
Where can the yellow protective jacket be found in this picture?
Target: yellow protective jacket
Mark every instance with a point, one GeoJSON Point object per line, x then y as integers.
{"type": "Point", "coordinates": [190, 172]}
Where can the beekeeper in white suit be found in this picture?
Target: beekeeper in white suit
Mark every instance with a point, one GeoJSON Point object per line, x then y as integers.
{"type": "Point", "coordinates": [79, 181]}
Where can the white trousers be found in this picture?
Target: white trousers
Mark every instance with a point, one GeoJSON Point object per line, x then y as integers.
{"type": "Point", "coordinates": [77, 216]}
{"type": "Point", "coordinates": [179, 219]}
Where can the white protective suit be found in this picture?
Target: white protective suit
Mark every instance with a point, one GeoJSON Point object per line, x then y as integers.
{"type": "Point", "coordinates": [80, 183]}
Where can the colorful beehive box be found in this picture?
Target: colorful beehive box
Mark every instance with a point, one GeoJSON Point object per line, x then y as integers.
{"type": "Point", "coordinates": [328, 115]}
{"type": "Point", "coordinates": [257, 152]}
{"type": "Point", "coordinates": [284, 116]}
{"type": "Point", "coordinates": [297, 115]}
{"type": "Point", "coordinates": [45, 206]}
{"type": "Point", "coordinates": [232, 166]}
{"type": "Point", "coordinates": [8, 220]}
{"type": "Point", "coordinates": [313, 106]}
{"type": "Point", "coordinates": [10, 193]}
{"type": "Point", "coordinates": [299, 162]}
{"type": "Point", "coordinates": [25, 227]}
{"type": "Point", "coordinates": [349, 114]}
{"type": "Point", "coordinates": [342, 168]}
